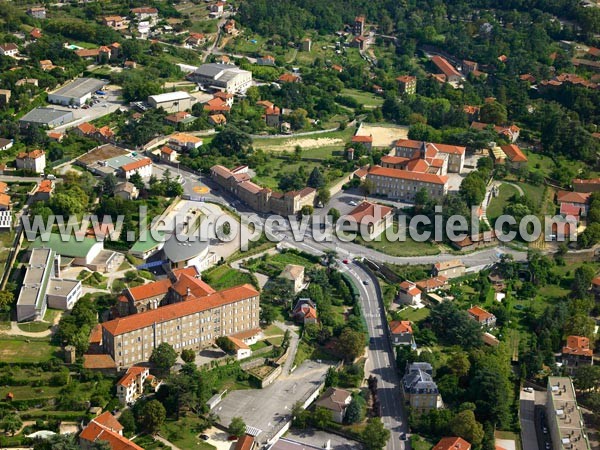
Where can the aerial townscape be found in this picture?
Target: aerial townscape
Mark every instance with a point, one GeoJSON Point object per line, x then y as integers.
{"type": "Point", "coordinates": [300, 225]}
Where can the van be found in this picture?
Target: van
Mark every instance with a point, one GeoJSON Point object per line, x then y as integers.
{"type": "Point", "coordinates": [50, 177]}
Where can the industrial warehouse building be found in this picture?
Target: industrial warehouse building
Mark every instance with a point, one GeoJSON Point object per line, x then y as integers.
{"type": "Point", "coordinates": [46, 117]}
{"type": "Point", "coordinates": [222, 77]}
{"type": "Point", "coordinates": [172, 101]}
{"type": "Point", "coordinates": [77, 92]}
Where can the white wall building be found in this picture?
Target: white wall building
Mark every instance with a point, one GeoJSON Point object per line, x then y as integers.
{"type": "Point", "coordinates": [172, 101]}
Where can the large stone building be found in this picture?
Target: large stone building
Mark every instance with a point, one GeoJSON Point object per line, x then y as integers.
{"type": "Point", "coordinates": [222, 77]}
{"type": "Point", "coordinates": [264, 200]}
{"type": "Point", "coordinates": [404, 185]}
{"type": "Point", "coordinates": [190, 322]}
{"type": "Point", "coordinates": [432, 153]}
{"type": "Point", "coordinates": [565, 420]}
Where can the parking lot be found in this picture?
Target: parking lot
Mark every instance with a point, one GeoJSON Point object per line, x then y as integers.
{"type": "Point", "coordinates": [107, 104]}
{"type": "Point", "coordinates": [269, 408]}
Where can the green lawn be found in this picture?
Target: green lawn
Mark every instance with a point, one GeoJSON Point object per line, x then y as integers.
{"type": "Point", "coordinates": [184, 432]}
{"type": "Point", "coordinates": [28, 392]}
{"type": "Point", "coordinates": [419, 443]}
{"type": "Point", "coordinates": [277, 262]}
{"type": "Point", "coordinates": [536, 193]}
{"type": "Point", "coordinates": [368, 99]}
{"type": "Point", "coordinates": [258, 345]}
{"type": "Point", "coordinates": [223, 277]}
{"type": "Point", "coordinates": [34, 327]}
{"type": "Point", "coordinates": [275, 340]}
{"type": "Point", "coordinates": [273, 330]}
{"type": "Point", "coordinates": [414, 315]}
{"type": "Point", "coordinates": [408, 247]}
{"type": "Point", "coordinates": [497, 204]}
{"type": "Point", "coordinates": [19, 350]}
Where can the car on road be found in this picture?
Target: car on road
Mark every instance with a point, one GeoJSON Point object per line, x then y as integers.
{"type": "Point", "coordinates": [204, 437]}
{"type": "Point", "coordinates": [403, 437]}
{"type": "Point", "coordinates": [547, 445]}
{"type": "Point", "coordinates": [345, 261]}
{"type": "Point", "coordinates": [366, 282]}
{"type": "Point", "coordinates": [352, 203]}
{"type": "Point", "coordinates": [545, 430]}
{"type": "Point", "coordinates": [528, 389]}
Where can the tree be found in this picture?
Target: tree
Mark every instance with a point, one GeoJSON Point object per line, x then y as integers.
{"type": "Point", "coordinates": [237, 427]}
{"type": "Point", "coordinates": [127, 419]}
{"type": "Point", "coordinates": [153, 416]}
{"type": "Point", "coordinates": [493, 113]}
{"type": "Point", "coordinates": [163, 356]}
{"type": "Point", "coordinates": [316, 179]}
{"type": "Point", "coordinates": [231, 141]}
{"type": "Point", "coordinates": [587, 378]}
{"type": "Point", "coordinates": [321, 417]}
{"type": "Point", "coordinates": [351, 344]}
{"type": "Point", "coordinates": [137, 180]}
{"type": "Point", "coordinates": [375, 436]}
{"type": "Point", "coordinates": [459, 364]}
{"type": "Point", "coordinates": [323, 195]}
{"type": "Point", "coordinates": [335, 215]}
{"type": "Point", "coordinates": [6, 299]}
{"type": "Point", "coordinates": [11, 423]}
{"type": "Point", "coordinates": [109, 182]}
{"type": "Point", "coordinates": [225, 344]}
{"type": "Point", "coordinates": [356, 410]}
{"type": "Point", "coordinates": [465, 426]}
{"type": "Point", "coordinates": [581, 282]}
{"type": "Point", "coordinates": [188, 355]}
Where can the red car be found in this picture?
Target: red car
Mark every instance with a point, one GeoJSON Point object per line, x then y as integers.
{"type": "Point", "coordinates": [345, 261]}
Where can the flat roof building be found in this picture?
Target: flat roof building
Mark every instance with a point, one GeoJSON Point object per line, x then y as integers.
{"type": "Point", "coordinates": [565, 420]}
{"type": "Point", "coordinates": [172, 101]}
{"type": "Point", "coordinates": [46, 117]}
{"type": "Point", "coordinates": [42, 286]}
{"type": "Point", "coordinates": [77, 92]}
{"type": "Point", "coordinates": [223, 77]}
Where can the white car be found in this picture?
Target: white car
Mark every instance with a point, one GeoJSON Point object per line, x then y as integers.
{"type": "Point", "coordinates": [352, 203]}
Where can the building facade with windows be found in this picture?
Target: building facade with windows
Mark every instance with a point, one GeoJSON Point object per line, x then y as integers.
{"type": "Point", "coordinates": [193, 323]}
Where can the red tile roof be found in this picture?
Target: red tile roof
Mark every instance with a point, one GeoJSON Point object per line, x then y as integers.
{"type": "Point", "coordinates": [573, 197]}
{"type": "Point", "coordinates": [409, 143]}
{"type": "Point", "coordinates": [197, 287]}
{"type": "Point", "coordinates": [244, 443]}
{"type": "Point", "coordinates": [446, 68]}
{"type": "Point", "coordinates": [514, 153]}
{"type": "Point", "coordinates": [400, 327]}
{"type": "Point", "coordinates": [96, 432]}
{"type": "Point", "coordinates": [393, 159]}
{"type": "Point", "coordinates": [409, 288]}
{"type": "Point", "coordinates": [86, 128]}
{"type": "Point", "coordinates": [406, 175]}
{"type": "Point", "coordinates": [432, 283]}
{"type": "Point", "coordinates": [96, 335]}
{"type": "Point", "coordinates": [132, 373]}
{"type": "Point", "coordinates": [289, 78]}
{"type": "Point", "coordinates": [368, 209]}
{"type": "Point", "coordinates": [137, 164]}
{"type": "Point", "coordinates": [362, 138]}
{"type": "Point", "coordinates": [170, 312]}
{"type": "Point", "coordinates": [98, 362]}
{"type": "Point", "coordinates": [153, 289]}
{"type": "Point", "coordinates": [577, 345]}
{"type": "Point", "coordinates": [406, 79]}
{"type": "Point", "coordinates": [106, 419]}
{"type": "Point", "coordinates": [452, 443]}
{"type": "Point", "coordinates": [479, 313]}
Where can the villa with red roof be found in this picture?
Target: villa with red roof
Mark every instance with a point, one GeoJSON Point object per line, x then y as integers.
{"type": "Point", "coordinates": [452, 443]}
{"type": "Point", "coordinates": [401, 332]}
{"type": "Point", "coordinates": [515, 158]}
{"type": "Point", "coordinates": [370, 219]}
{"type": "Point", "coordinates": [577, 353]}
{"type": "Point", "coordinates": [131, 385]}
{"type": "Point", "coordinates": [482, 317]}
{"type": "Point", "coordinates": [450, 158]}
{"type": "Point", "coordinates": [573, 203]}
{"type": "Point", "coordinates": [409, 293]}
{"type": "Point", "coordinates": [367, 141]}
{"type": "Point", "coordinates": [105, 428]}
{"type": "Point", "coordinates": [142, 166]}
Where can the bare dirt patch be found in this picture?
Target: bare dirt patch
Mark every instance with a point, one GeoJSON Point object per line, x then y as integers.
{"type": "Point", "coordinates": [306, 144]}
{"type": "Point", "coordinates": [383, 136]}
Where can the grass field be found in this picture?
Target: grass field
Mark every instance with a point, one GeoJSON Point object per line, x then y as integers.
{"type": "Point", "coordinates": [28, 392]}
{"type": "Point", "coordinates": [18, 350]}
{"type": "Point", "coordinates": [223, 277]}
{"type": "Point", "coordinates": [273, 330]}
{"type": "Point", "coordinates": [184, 432]}
{"type": "Point", "coordinates": [34, 327]}
{"type": "Point", "coordinates": [414, 315]}
{"type": "Point", "coordinates": [408, 247]}
{"type": "Point", "coordinates": [497, 204]}
{"type": "Point", "coordinates": [536, 193]}
{"type": "Point", "coordinates": [368, 99]}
